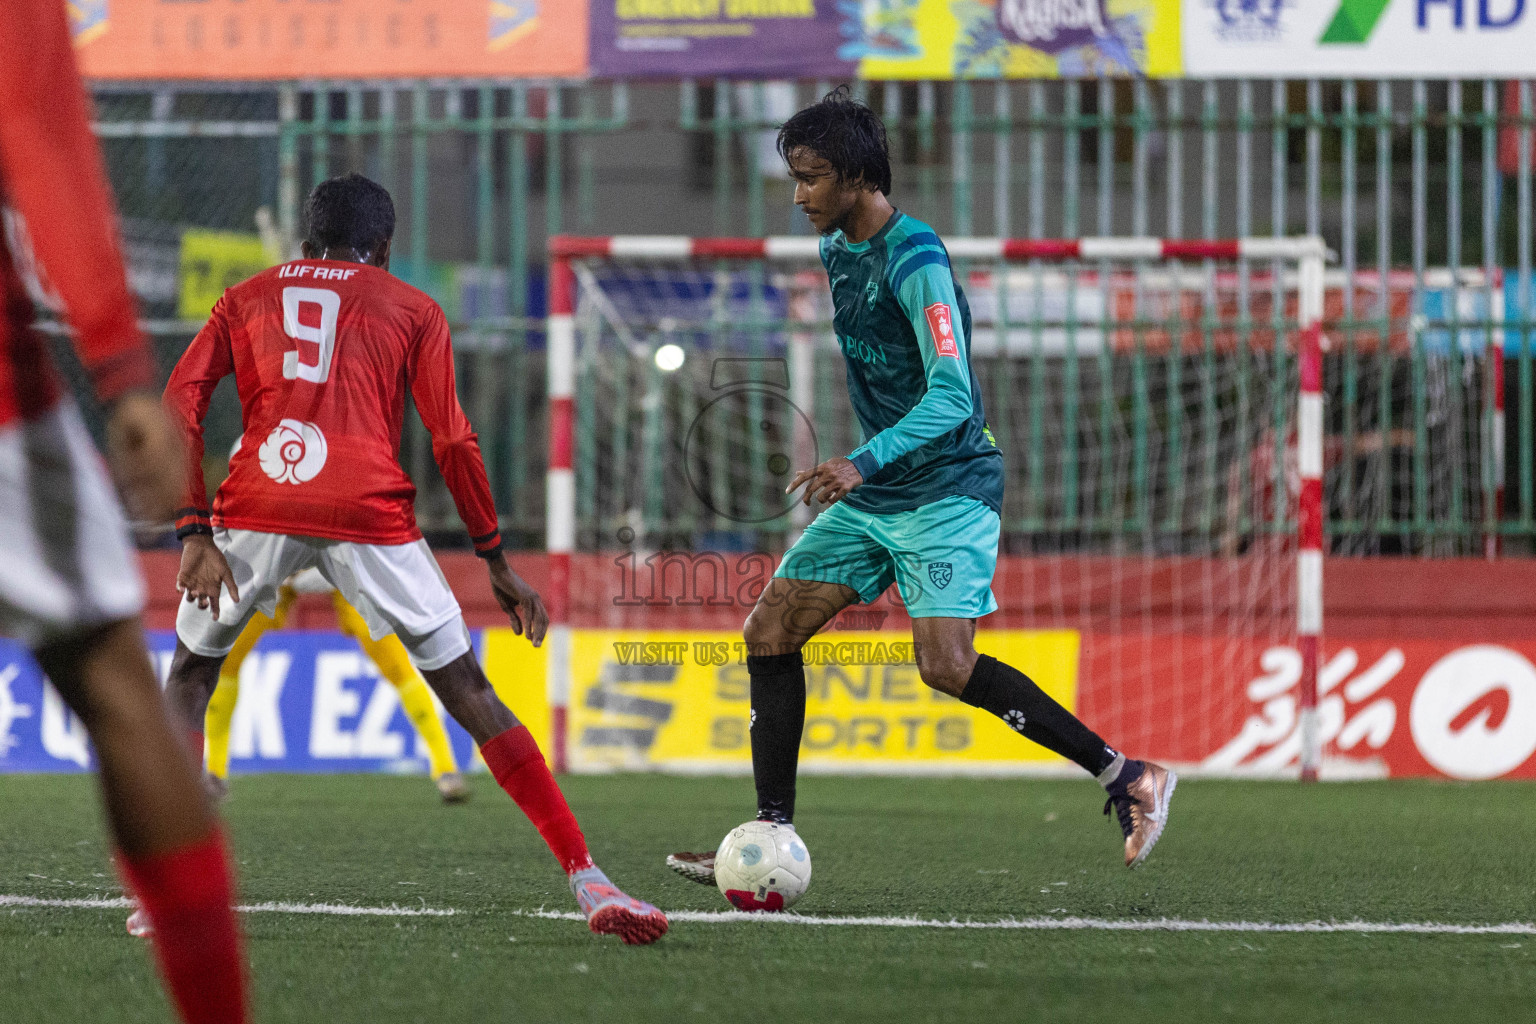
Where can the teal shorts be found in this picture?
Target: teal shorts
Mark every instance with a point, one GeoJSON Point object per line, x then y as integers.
{"type": "Point", "coordinates": [941, 556]}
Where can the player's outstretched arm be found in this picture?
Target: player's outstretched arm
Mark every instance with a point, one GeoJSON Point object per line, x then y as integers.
{"type": "Point", "coordinates": [54, 180]}
{"type": "Point", "coordinates": [454, 445]}
{"type": "Point", "coordinates": [927, 296]}
{"type": "Point", "coordinates": [520, 601]}
{"type": "Point", "coordinates": [206, 361]}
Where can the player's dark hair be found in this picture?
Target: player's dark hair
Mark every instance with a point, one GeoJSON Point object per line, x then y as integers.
{"type": "Point", "coordinates": [350, 211]}
{"type": "Point", "coordinates": [846, 134]}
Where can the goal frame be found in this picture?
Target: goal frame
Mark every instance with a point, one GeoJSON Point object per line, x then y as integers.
{"type": "Point", "coordinates": [1309, 254]}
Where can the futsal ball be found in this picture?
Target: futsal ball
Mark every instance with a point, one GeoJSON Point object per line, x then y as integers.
{"type": "Point", "coordinates": [762, 866]}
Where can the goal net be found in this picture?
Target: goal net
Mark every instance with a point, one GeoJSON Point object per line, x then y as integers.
{"type": "Point", "coordinates": [1158, 408]}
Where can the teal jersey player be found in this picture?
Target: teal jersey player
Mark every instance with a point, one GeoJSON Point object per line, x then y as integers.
{"type": "Point", "coordinates": [926, 514]}
{"type": "Point", "coordinates": [904, 328]}
{"type": "Point", "coordinates": [917, 504]}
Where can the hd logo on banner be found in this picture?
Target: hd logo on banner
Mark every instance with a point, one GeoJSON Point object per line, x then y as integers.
{"type": "Point", "coordinates": [309, 702]}
{"type": "Point", "coordinates": [1359, 38]}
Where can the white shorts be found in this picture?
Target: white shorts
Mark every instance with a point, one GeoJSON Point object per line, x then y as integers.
{"type": "Point", "coordinates": [397, 588]}
{"type": "Point", "coordinates": [66, 563]}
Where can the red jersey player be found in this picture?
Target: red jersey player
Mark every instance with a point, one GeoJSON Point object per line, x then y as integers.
{"type": "Point", "coordinates": [69, 581]}
{"type": "Point", "coordinates": [323, 350]}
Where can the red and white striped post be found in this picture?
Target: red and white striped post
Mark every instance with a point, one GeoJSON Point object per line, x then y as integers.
{"type": "Point", "coordinates": [1309, 510]}
{"type": "Point", "coordinates": [805, 249]}
{"type": "Point", "coordinates": [560, 497]}
{"type": "Point", "coordinates": [1308, 253]}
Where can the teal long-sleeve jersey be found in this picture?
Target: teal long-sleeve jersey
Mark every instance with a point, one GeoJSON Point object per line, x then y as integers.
{"type": "Point", "coordinates": [905, 330]}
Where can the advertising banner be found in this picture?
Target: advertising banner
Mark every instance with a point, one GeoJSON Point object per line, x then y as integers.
{"type": "Point", "coordinates": [718, 38]}
{"type": "Point", "coordinates": [1358, 38]}
{"type": "Point", "coordinates": [212, 261]}
{"type": "Point", "coordinates": [1410, 707]}
{"type": "Point", "coordinates": [277, 39]}
{"type": "Point", "coordinates": [678, 701]}
{"type": "Point", "coordinates": [906, 39]}
{"type": "Point", "coordinates": [309, 702]}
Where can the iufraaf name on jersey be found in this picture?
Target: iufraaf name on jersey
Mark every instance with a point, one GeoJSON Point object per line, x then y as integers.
{"type": "Point", "coordinates": [318, 273]}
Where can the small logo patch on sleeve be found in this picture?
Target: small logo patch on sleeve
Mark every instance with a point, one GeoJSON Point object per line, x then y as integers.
{"type": "Point", "coordinates": [942, 329]}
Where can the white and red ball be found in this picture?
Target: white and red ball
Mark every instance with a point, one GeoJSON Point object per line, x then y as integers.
{"type": "Point", "coordinates": [762, 866]}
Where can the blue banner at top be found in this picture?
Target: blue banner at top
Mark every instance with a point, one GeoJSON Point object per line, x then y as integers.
{"type": "Point", "coordinates": [309, 702]}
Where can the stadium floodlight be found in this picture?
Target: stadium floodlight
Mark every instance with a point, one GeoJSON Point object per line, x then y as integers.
{"type": "Point", "coordinates": [670, 357]}
{"type": "Point", "coordinates": [1159, 402]}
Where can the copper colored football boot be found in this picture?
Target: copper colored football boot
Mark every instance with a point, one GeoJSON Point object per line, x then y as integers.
{"type": "Point", "coordinates": [1142, 807]}
{"type": "Point", "coordinates": [696, 867]}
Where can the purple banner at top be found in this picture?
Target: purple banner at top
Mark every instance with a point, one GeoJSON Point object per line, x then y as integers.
{"type": "Point", "coordinates": [718, 39]}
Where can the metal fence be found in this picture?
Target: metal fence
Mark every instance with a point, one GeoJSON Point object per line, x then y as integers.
{"type": "Point", "coordinates": [1406, 179]}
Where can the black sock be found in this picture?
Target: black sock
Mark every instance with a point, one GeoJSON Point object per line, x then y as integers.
{"type": "Point", "coordinates": [778, 718]}
{"type": "Point", "coordinates": [1012, 696]}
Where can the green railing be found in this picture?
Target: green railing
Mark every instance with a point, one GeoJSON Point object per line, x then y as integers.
{"type": "Point", "coordinates": [1401, 177]}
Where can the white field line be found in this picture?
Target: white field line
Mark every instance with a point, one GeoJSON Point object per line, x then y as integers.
{"type": "Point", "coordinates": [1046, 924]}
{"type": "Point", "coordinates": [1053, 924]}
{"type": "Point", "coordinates": [330, 909]}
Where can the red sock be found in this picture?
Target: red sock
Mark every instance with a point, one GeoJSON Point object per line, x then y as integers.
{"type": "Point", "coordinates": [187, 894]}
{"type": "Point", "coordinates": [514, 759]}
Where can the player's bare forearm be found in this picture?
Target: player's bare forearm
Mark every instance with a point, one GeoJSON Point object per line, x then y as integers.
{"type": "Point", "coordinates": [203, 570]}
{"type": "Point", "coordinates": [829, 482]}
{"type": "Point", "coordinates": [523, 605]}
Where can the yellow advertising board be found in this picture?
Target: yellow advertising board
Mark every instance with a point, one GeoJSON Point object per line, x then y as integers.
{"type": "Point", "coordinates": [916, 39]}
{"type": "Point", "coordinates": [678, 701]}
{"type": "Point", "coordinates": [212, 261]}
{"type": "Point", "coordinates": [516, 671]}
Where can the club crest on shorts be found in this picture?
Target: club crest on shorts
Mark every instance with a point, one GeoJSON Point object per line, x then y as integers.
{"type": "Point", "coordinates": [941, 573]}
{"type": "Point", "coordinates": [294, 453]}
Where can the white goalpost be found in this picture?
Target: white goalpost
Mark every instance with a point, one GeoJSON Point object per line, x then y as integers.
{"type": "Point", "coordinates": [1159, 405]}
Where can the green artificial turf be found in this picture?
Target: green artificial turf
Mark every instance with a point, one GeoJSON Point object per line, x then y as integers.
{"type": "Point", "coordinates": [933, 849]}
